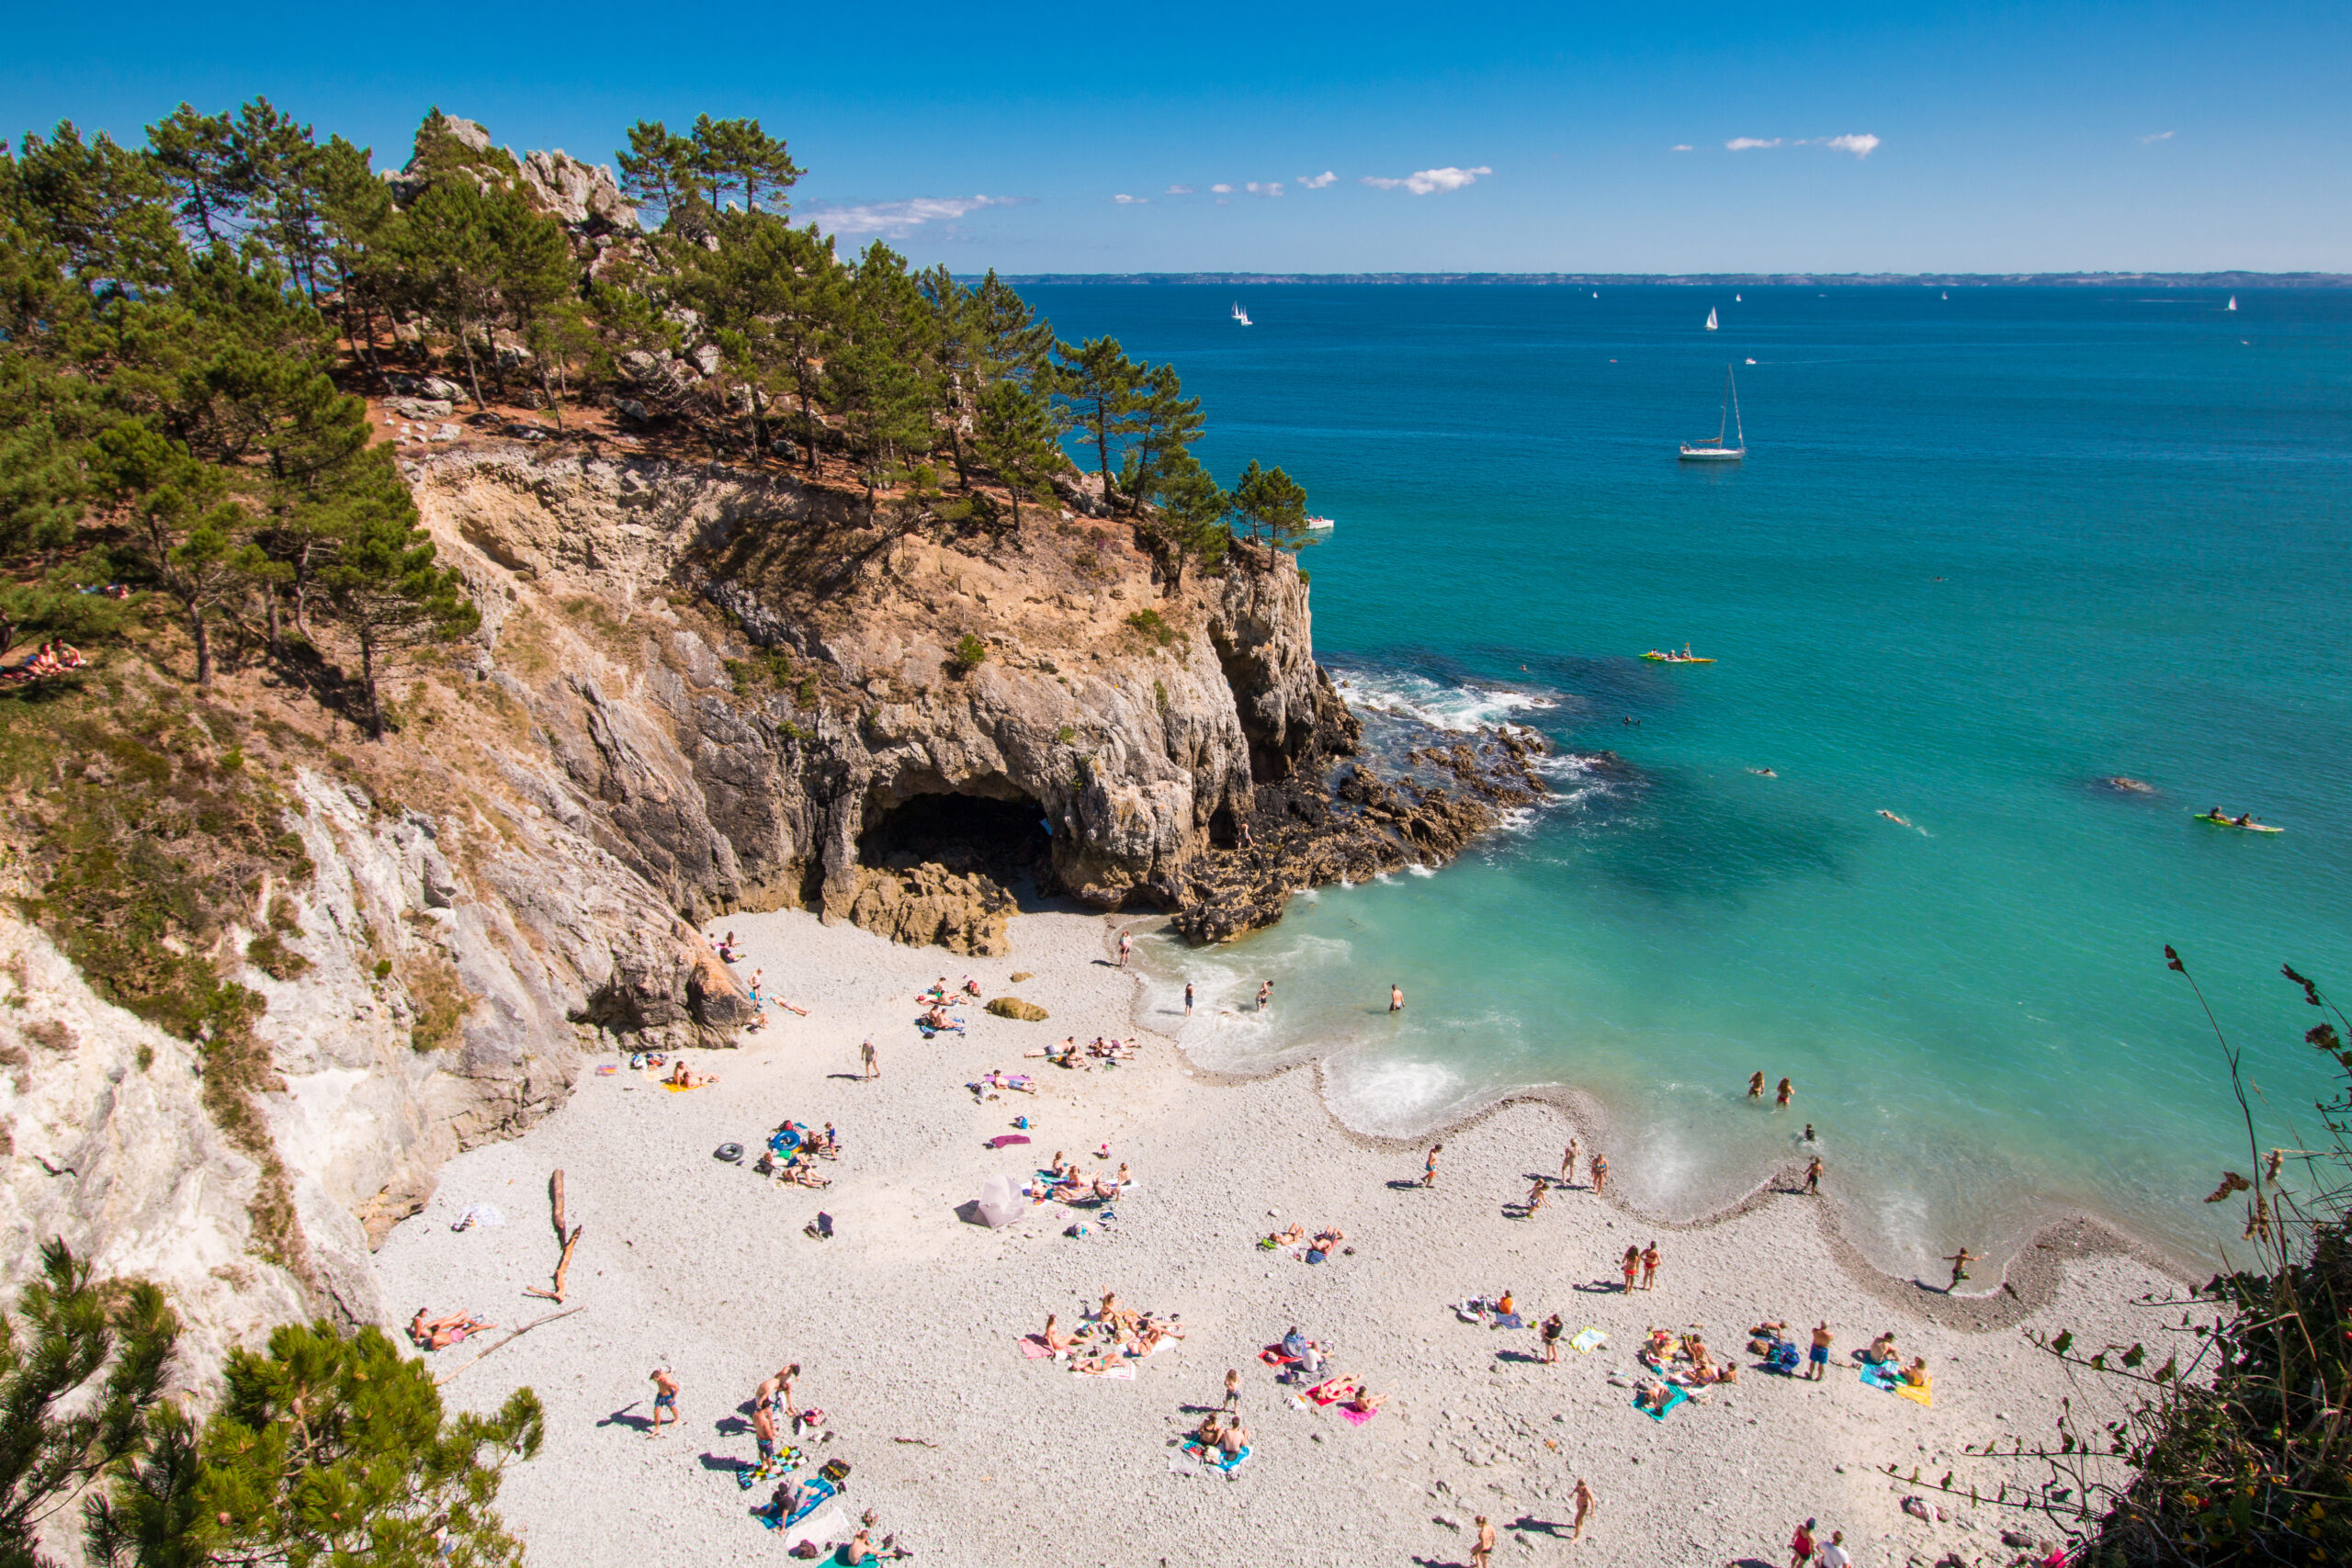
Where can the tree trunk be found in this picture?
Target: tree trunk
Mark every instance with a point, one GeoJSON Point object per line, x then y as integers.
{"type": "Point", "coordinates": [1102, 451]}
{"type": "Point", "coordinates": [201, 636]}
{"type": "Point", "coordinates": [472, 379]}
{"type": "Point", "coordinates": [269, 617]}
{"type": "Point", "coordinates": [367, 679]}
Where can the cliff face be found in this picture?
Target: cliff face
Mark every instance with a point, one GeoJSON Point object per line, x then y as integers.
{"type": "Point", "coordinates": [695, 690]}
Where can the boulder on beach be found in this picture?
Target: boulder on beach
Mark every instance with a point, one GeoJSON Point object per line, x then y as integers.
{"type": "Point", "coordinates": [1013, 1007]}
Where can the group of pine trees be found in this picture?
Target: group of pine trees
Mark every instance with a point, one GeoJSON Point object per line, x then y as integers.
{"type": "Point", "coordinates": [186, 328]}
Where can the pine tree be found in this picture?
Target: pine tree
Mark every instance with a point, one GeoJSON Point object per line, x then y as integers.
{"type": "Point", "coordinates": [1191, 521]}
{"type": "Point", "coordinates": [183, 527]}
{"type": "Point", "coordinates": [332, 1451]}
{"type": "Point", "coordinates": [1100, 383]}
{"type": "Point", "coordinates": [1162, 426]}
{"type": "Point", "coordinates": [449, 251]}
{"type": "Point", "coordinates": [1272, 506]}
{"type": "Point", "coordinates": [660, 171]}
{"type": "Point", "coordinates": [385, 589]}
{"type": "Point", "coordinates": [69, 1331]}
{"type": "Point", "coordinates": [1017, 435]}
{"type": "Point", "coordinates": [738, 151]}
{"type": "Point", "coordinates": [198, 157]}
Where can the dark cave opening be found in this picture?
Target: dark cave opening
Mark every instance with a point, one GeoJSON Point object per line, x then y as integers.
{"type": "Point", "coordinates": [1004, 839]}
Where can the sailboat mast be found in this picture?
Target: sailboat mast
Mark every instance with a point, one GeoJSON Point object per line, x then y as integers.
{"type": "Point", "coordinates": [1734, 407]}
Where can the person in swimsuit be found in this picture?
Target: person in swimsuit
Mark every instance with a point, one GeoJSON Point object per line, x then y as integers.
{"type": "Point", "coordinates": [1396, 998]}
{"type": "Point", "coordinates": [1820, 1354]}
{"type": "Point", "coordinates": [1756, 1086]}
{"type": "Point", "coordinates": [1536, 1194]}
{"type": "Point", "coordinates": [1586, 1505]}
{"type": "Point", "coordinates": [1188, 999]}
{"type": "Point", "coordinates": [1482, 1551]}
{"type": "Point", "coordinates": [1429, 1167]}
{"type": "Point", "coordinates": [1551, 1332]}
{"type": "Point", "coordinates": [1569, 1162]}
{"type": "Point", "coordinates": [1127, 945]}
{"type": "Point", "coordinates": [443, 1332]}
{"type": "Point", "coordinates": [1599, 1173]}
{"type": "Point", "coordinates": [1788, 1092]}
{"type": "Point", "coordinates": [1265, 994]}
{"type": "Point", "coordinates": [1629, 1266]}
{"type": "Point", "coordinates": [872, 1062]}
{"type": "Point", "coordinates": [665, 1397]}
{"type": "Point", "coordinates": [1800, 1547]}
{"type": "Point", "coordinates": [1960, 1261]}
{"type": "Point", "coordinates": [1813, 1178]}
{"type": "Point", "coordinates": [1649, 1267]}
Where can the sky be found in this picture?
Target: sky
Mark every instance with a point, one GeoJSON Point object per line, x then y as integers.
{"type": "Point", "coordinates": [1313, 138]}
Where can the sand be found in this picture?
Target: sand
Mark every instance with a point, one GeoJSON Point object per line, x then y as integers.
{"type": "Point", "coordinates": [906, 1323]}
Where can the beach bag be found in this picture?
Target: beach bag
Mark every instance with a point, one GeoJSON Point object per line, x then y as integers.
{"type": "Point", "coordinates": [835, 1471]}
{"type": "Point", "coordinates": [1314, 1257]}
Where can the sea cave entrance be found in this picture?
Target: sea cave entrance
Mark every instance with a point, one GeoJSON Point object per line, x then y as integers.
{"type": "Point", "coordinates": [1001, 836]}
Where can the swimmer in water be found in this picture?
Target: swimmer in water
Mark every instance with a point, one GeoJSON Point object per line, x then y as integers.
{"type": "Point", "coordinates": [1890, 817]}
{"type": "Point", "coordinates": [1764, 773]}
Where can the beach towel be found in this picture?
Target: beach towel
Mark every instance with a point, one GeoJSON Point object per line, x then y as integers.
{"type": "Point", "coordinates": [1356, 1417]}
{"type": "Point", "coordinates": [483, 1214]}
{"type": "Point", "coordinates": [682, 1087]}
{"type": "Point", "coordinates": [1784, 1358]}
{"type": "Point", "coordinates": [1323, 1394]}
{"type": "Point", "coordinates": [1124, 1372]}
{"type": "Point", "coordinates": [1878, 1377]}
{"type": "Point", "coordinates": [1035, 1348]}
{"type": "Point", "coordinates": [814, 1494]}
{"type": "Point", "coordinates": [1674, 1396]}
{"type": "Point", "coordinates": [829, 1527]}
{"type": "Point", "coordinates": [1228, 1464]}
{"type": "Point", "coordinates": [1588, 1340]}
{"type": "Point", "coordinates": [1272, 1356]}
{"type": "Point", "coordinates": [1006, 1140]}
{"type": "Point", "coordinates": [1509, 1320]}
{"type": "Point", "coordinates": [607, 1070]}
{"type": "Point", "coordinates": [1915, 1394]}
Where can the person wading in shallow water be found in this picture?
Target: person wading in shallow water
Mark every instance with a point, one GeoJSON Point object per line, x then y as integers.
{"type": "Point", "coordinates": [1788, 1092]}
{"type": "Point", "coordinates": [1756, 1086]}
{"type": "Point", "coordinates": [1396, 998]}
{"type": "Point", "coordinates": [1960, 1261]}
{"type": "Point", "coordinates": [1813, 1178]}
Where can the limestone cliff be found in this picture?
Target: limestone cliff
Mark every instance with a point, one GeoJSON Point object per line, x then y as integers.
{"type": "Point", "coordinates": [696, 688]}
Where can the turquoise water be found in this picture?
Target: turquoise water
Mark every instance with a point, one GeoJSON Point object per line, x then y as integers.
{"type": "Point", "coordinates": [1986, 551]}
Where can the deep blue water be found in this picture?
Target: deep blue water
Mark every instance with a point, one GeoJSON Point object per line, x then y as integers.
{"type": "Point", "coordinates": [1987, 551]}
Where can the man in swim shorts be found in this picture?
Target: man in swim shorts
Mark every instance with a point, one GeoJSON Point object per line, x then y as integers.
{"type": "Point", "coordinates": [665, 1397]}
{"type": "Point", "coordinates": [1821, 1338]}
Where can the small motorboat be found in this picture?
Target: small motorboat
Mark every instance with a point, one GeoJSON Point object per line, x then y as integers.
{"type": "Point", "coordinates": [1320, 524]}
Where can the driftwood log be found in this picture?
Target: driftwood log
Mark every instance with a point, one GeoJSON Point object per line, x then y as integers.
{"type": "Point", "coordinates": [565, 1239]}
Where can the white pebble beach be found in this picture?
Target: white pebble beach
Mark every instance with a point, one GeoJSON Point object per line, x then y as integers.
{"type": "Point", "coordinates": [906, 1323]}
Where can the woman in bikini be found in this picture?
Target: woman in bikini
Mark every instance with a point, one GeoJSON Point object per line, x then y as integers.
{"type": "Point", "coordinates": [1631, 1266]}
{"type": "Point", "coordinates": [1054, 1338]}
{"type": "Point", "coordinates": [443, 1331]}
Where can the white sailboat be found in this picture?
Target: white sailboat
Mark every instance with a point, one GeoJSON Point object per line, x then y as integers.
{"type": "Point", "coordinates": [1239, 314]}
{"type": "Point", "coordinates": [2233, 304]}
{"type": "Point", "coordinates": [1735, 298]}
{"type": "Point", "coordinates": [1947, 293]}
{"type": "Point", "coordinates": [1711, 318]}
{"type": "Point", "coordinates": [1715, 451]}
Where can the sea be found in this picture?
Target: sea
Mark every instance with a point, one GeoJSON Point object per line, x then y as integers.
{"type": "Point", "coordinates": [1991, 548]}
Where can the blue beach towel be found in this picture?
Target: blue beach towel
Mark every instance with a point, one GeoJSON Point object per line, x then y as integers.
{"type": "Point", "coordinates": [1880, 1377]}
{"type": "Point", "coordinates": [1674, 1397]}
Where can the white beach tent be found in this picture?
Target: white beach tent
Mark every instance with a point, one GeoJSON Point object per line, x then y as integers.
{"type": "Point", "coordinates": [1002, 1201]}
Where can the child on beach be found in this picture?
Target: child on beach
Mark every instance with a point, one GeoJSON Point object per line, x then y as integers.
{"type": "Point", "coordinates": [665, 1397]}
{"type": "Point", "coordinates": [1536, 1194]}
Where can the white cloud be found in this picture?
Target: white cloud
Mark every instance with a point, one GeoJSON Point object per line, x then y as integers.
{"type": "Point", "coordinates": [2159, 136]}
{"type": "Point", "coordinates": [1274, 188]}
{"type": "Point", "coordinates": [1316, 182]}
{"type": "Point", "coordinates": [1860, 145]}
{"type": "Point", "coordinates": [1222, 190]}
{"type": "Point", "coordinates": [1125, 201]}
{"type": "Point", "coordinates": [1424, 181]}
{"type": "Point", "coordinates": [1680, 147]}
{"type": "Point", "coordinates": [1178, 190]}
{"type": "Point", "coordinates": [898, 219]}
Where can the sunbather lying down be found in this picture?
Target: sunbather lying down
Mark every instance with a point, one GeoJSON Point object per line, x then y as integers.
{"type": "Point", "coordinates": [1288, 1237]}
{"type": "Point", "coordinates": [443, 1331]}
{"type": "Point", "coordinates": [1655, 1395]}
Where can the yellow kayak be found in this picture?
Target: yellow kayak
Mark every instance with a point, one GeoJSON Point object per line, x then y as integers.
{"type": "Point", "coordinates": [2232, 822]}
{"type": "Point", "coordinates": [1657, 658]}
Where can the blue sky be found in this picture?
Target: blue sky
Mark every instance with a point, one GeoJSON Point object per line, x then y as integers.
{"type": "Point", "coordinates": [2008, 137]}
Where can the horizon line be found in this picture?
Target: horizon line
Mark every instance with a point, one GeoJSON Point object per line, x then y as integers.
{"type": "Point", "coordinates": [2222, 280]}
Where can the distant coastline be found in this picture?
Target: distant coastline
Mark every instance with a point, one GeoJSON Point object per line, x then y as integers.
{"type": "Point", "coordinates": [1728, 279]}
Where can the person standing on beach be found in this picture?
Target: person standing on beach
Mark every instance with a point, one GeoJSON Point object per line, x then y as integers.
{"type": "Point", "coordinates": [1429, 1166]}
{"type": "Point", "coordinates": [1568, 1163]}
{"type": "Point", "coordinates": [1649, 1267]}
{"type": "Point", "coordinates": [1835, 1554]}
{"type": "Point", "coordinates": [1265, 994]}
{"type": "Point", "coordinates": [764, 1429]}
{"type": "Point", "coordinates": [1813, 1178]}
{"type": "Point", "coordinates": [1801, 1545]}
{"type": "Point", "coordinates": [1396, 998]}
{"type": "Point", "coordinates": [1587, 1504]}
{"type": "Point", "coordinates": [1482, 1551]}
{"type": "Point", "coordinates": [665, 1397]}
{"type": "Point", "coordinates": [1127, 945]}
{"type": "Point", "coordinates": [1631, 1266]}
{"type": "Point", "coordinates": [1188, 999]}
{"type": "Point", "coordinates": [777, 1391]}
{"type": "Point", "coordinates": [1233, 1390]}
{"type": "Point", "coordinates": [1820, 1355]}
{"type": "Point", "coordinates": [1788, 1092]}
{"type": "Point", "coordinates": [872, 1063]}
{"type": "Point", "coordinates": [1960, 1261]}
{"type": "Point", "coordinates": [1600, 1172]}
{"type": "Point", "coordinates": [1756, 1086]}
{"type": "Point", "coordinates": [1551, 1331]}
